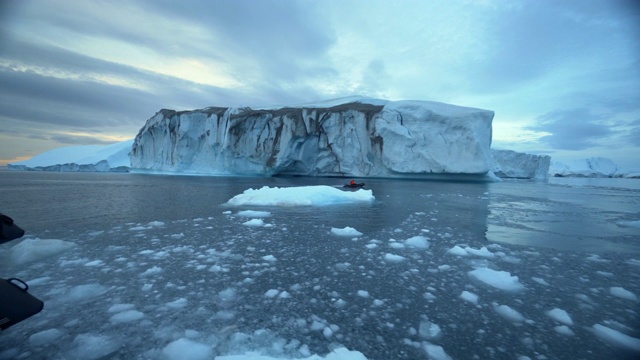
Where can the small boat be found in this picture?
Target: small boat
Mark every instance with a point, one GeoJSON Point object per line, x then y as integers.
{"type": "Point", "coordinates": [354, 186]}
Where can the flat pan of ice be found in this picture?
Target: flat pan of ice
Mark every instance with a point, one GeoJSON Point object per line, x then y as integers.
{"type": "Point", "coordinates": [320, 195]}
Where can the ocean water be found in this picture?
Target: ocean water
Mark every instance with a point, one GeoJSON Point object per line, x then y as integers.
{"type": "Point", "coordinates": [157, 259]}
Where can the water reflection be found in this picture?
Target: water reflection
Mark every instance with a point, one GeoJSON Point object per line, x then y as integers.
{"type": "Point", "coordinates": [561, 217]}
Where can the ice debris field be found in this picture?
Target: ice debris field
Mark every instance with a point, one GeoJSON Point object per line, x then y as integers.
{"type": "Point", "coordinates": [241, 284]}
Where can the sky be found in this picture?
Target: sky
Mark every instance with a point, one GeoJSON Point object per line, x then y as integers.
{"type": "Point", "coordinates": [563, 77]}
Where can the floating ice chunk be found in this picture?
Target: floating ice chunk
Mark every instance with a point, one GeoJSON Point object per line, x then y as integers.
{"type": "Point", "coordinates": [429, 330]}
{"type": "Point", "coordinates": [468, 251]}
{"type": "Point", "coordinates": [271, 293]}
{"type": "Point", "coordinates": [560, 316]}
{"type": "Point", "coordinates": [498, 279]}
{"type": "Point", "coordinates": [346, 231]}
{"type": "Point", "coordinates": [419, 242]}
{"type": "Point", "coordinates": [89, 346]}
{"type": "Point", "coordinates": [45, 337]}
{"type": "Point", "coordinates": [269, 258]}
{"type": "Point", "coordinates": [616, 338]}
{"type": "Point", "coordinates": [469, 296]}
{"type": "Point", "coordinates": [228, 294]}
{"type": "Point", "coordinates": [336, 354]}
{"type": "Point", "coordinates": [540, 281]}
{"type": "Point", "coordinates": [178, 303]}
{"type": "Point", "coordinates": [634, 262]}
{"type": "Point", "coordinates": [152, 271]}
{"type": "Point", "coordinates": [509, 313]}
{"type": "Point", "coordinates": [320, 195]}
{"type": "Point", "coordinates": [630, 223]}
{"type": "Point", "coordinates": [156, 223]}
{"type": "Point", "coordinates": [394, 258]}
{"type": "Point", "coordinates": [184, 348]}
{"type": "Point", "coordinates": [363, 293]}
{"type": "Point", "coordinates": [482, 252]}
{"type": "Point", "coordinates": [120, 307]}
{"type": "Point", "coordinates": [457, 250]}
{"type": "Point", "coordinates": [37, 249]}
{"type": "Point", "coordinates": [254, 223]}
{"type": "Point", "coordinates": [396, 245]}
{"type": "Point", "coordinates": [228, 212]}
{"type": "Point", "coordinates": [623, 293]}
{"type": "Point", "coordinates": [327, 332]}
{"type": "Point", "coordinates": [139, 228]}
{"type": "Point", "coordinates": [126, 316]}
{"type": "Point", "coordinates": [94, 263]}
{"type": "Point", "coordinates": [254, 213]}
{"type": "Point", "coordinates": [371, 246]}
{"type": "Point", "coordinates": [596, 258]}
{"type": "Point", "coordinates": [84, 292]}
{"type": "Point", "coordinates": [435, 352]}
{"type": "Point", "coordinates": [284, 295]}
{"type": "Point", "coordinates": [564, 330]}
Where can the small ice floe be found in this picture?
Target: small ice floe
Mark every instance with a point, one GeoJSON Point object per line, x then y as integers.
{"type": "Point", "coordinates": [253, 213]}
{"type": "Point", "coordinates": [634, 262]}
{"type": "Point", "coordinates": [393, 258]}
{"type": "Point", "coordinates": [120, 308]}
{"type": "Point", "coordinates": [126, 316]}
{"type": "Point", "coordinates": [630, 223]}
{"type": "Point", "coordinates": [469, 296]}
{"type": "Point", "coordinates": [509, 313]}
{"type": "Point", "coordinates": [269, 258]}
{"type": "Point", "coordinates": [346, 231]}
{"type": "Point", "coordinates": [45, 337]}
{"type": "Point", "coordinates": [184, 348]}
{"type": "Point", "coordinates": [483, 252]}
{"type": "Point", "coordinates": [616, 338]}
{"type": "Point", "coordinates": [254, 223]}
{"type": "Point", "coordinates": [91, 346]}
{"type": "Point", "coordinates": [419, 242]}
{"type": "Point", "coordinates": [177, 304]}
{"type": "Point", "coordinates": [156, 223]}
{"type": "Point", "coordinates": [152, 271]}
{"type": "Point", "coordinates": [540, 281]}
{"type": "Point", "coordinates": [435, 352]}
{"type": "Point", "coordinates": [623, 293]}
{"type": "Point", "coordinates": [30, 250]}
{"type": "Point", "coordinates": [83, 292]}
{"type": "Point", "coordinates": [560, 316]}
{"type": "Point", "coordinates": [363, 293]}
{"type": "Point", "coordinates": [320, 195]}
{"type": "Point", "coordinates": [564, 330]}
{"type": "Point", "coordinates": [498, 279]}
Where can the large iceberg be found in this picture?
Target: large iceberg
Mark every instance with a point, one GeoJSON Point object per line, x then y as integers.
{"type": "Point", "coordinates": [357, 137]}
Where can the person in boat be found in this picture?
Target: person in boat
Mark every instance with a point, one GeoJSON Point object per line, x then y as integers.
{"type": "Point", "coordinates": [352, 183]}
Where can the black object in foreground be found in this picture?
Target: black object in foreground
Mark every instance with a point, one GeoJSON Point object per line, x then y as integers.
{"type": "Point", "coordinates": [8, 230]}
{"type": "Point", "coordinates": [354, 186]}
{"type": "Point", "coordinates": [16, 303]}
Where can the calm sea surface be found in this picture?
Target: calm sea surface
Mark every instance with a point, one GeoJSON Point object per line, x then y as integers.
{"type": "Point", "coordinates": [580, 237]}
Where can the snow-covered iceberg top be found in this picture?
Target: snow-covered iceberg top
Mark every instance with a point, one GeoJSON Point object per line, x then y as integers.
{"type": "Point", "coordinates": [320, 195]}
{"type": "Point", "coordinates": [114, 157]}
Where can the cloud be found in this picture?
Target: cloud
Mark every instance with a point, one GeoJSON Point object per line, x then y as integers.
{"type": "Point", "coordinates": [574, 129]}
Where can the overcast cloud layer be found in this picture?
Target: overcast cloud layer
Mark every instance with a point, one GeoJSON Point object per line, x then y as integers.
{"type": "Point", "coordinates": [562, 76]}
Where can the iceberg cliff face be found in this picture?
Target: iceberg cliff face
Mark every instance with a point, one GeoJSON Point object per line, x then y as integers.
{"type": "Point", "coordinates": [364, 138]}
{"type": "Point", "coordinates": [516, 165]}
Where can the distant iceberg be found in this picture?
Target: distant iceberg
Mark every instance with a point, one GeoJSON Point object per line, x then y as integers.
{"type": "Point", "coordinates": [83, 158]}
{"type": "Point", "coordinates": [595, 167]}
